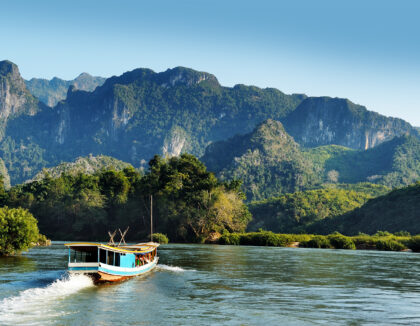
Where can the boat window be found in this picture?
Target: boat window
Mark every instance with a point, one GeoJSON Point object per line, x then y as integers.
{"type": "Point", "coordinates": [102, 256]}
{"type": "Point", "coordinates": [110, 258]}
{"type": "Point", "coordinates": [84, 255]}
{"type": "Point", "coordinates": [117, 259]}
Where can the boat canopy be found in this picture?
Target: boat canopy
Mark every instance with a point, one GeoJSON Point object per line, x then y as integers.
{"type": "Point", "coordinates": [140, 248]}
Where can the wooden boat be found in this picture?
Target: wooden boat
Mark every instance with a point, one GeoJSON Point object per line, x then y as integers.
{"type": "Point", "coordinates": [107, 263]}
{"type": "Point", "coordinates": [111, 262]}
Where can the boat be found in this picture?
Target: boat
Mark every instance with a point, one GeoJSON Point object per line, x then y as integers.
{"type": "Point", "coordinates": [107, 263]}
{"type": "Point", "coordinates": [113, 262]}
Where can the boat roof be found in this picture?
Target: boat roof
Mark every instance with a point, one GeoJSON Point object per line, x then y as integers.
{"type": "Point", "coordinates": [137, 248]}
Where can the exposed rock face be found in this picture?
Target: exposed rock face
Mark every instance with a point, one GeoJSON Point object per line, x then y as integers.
{"type": "Point", "coordinates": [5, 174]}
{"type": "Point", "coordinates": [52, 91]}
{"type": "Point", "coordinates": [322, 121]}
{"type": "Point", "coordinates": [175, 142]}
{"type": "Point", "coordinates": [15, 99]}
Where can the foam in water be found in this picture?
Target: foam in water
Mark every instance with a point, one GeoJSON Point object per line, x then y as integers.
{"type": "Point", "coordinates": [34, 305]}
{"type": "Point", "coordinates": [170, 268]}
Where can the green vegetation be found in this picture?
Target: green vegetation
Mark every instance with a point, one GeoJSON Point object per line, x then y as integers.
{"type": "Point", "coordinates": [261, 238]}
{"type": "Point", "coordinates": [267, 160]}
{"type": "Point", "coordinates": [189, 202]}
{"type": "Point", "coordinates": [87, 165]}
{"type": "Point", "coordinates": [18, 230]}
{"type": "Point", "coordinates": [295, 212]}
{"type": "Point", "coordinates": [395, 211]}
{"type": "Point", "coordinates": [160, 238]}
{"type": "Point", "coordinates": [394, 163]}
{"type": "Point", "coordinates": [381, 241]}
{"type": "Point", "coordinates": [371, 189]}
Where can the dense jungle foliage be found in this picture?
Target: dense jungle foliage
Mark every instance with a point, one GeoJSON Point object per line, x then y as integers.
{"type": "Point", "coordinates": [189, 202]}
{"type": "Point", "coordinates": [294, 212]}
{"type": "Point", "coordinates": [395, 211]}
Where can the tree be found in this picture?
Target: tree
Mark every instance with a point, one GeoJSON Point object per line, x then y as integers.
{"type": "Point", "coordinates": [18, 230]}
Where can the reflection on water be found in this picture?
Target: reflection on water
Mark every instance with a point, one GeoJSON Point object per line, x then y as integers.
{"type": "Point", "coordinates": [208, 285]}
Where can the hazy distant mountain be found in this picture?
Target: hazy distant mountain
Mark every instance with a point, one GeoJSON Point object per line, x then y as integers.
{"type": "Point", "coordinates": [321, 121]}
{"type": "Point", "coordinates": [52, 91]}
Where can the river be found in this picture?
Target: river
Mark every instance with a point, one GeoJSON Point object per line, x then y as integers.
{"type": "Point", "coordinates": [218, 285]}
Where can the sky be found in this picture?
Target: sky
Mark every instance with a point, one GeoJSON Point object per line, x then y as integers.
{"type": "Point", "coordinates": [365, 50]}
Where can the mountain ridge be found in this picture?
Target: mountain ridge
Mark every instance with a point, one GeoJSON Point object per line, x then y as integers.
{"type": "Point", "coordinates": [54, 90]}
{"type": "Point", "coordinates": [142, 113]}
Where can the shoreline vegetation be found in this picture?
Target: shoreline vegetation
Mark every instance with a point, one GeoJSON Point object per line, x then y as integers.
{"type": "Point", "coordinates": [381, 240]}
{"type": "Point", "coordinates": [191, 205]}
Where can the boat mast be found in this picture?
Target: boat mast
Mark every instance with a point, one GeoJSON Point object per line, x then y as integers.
{"type": "Point", "coordinates": [151, 218]}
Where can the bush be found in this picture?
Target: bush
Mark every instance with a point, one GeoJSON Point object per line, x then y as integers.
{"type": "Point", "coordinates": [414, 243]}
{"type": "Point", "coordinates": [389, 245]}
{"type": "Point", "coordinates": [265, 238]}
{"type": "Point", "coordinates": [382, 234]}
{"type": "Point", "coordinates": [262, 238]}
{"type": "Point", "coordinates": [402, 234]}
{"type": "Point", "coordinates": [160, 238]}
{"type": "Point", "coordinates": [318, 241]}
{"type": "Point", "coordinates": [230, 239]}
{"type": "Point", "coordinates": [18, 230]}
{"type": "Point", "coordinates": [339, 241]}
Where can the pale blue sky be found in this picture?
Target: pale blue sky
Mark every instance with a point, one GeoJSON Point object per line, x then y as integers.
{"type": "Point", "coordinates": [367, 51]}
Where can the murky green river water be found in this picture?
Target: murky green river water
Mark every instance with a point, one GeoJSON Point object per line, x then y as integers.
{"type": "Point", "coordinates": [218, 285]}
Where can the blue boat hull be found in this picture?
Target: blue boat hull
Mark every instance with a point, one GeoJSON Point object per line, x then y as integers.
{"type": "Point", "coordinates": [108, 273]}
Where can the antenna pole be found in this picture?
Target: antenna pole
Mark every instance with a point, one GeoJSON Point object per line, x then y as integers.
{"type": "Point", "coordinates": [151, 218]}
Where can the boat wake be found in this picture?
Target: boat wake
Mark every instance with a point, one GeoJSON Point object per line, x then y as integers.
{"type": "Point", "coordinates": [172, 268]}
{"type": "Point", "coordinates": [32, 306]}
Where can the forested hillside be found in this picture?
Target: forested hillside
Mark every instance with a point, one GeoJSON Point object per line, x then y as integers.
{"type": "Point", "coordinates": [267, 160]}
{"type": "Point", "coordinates": [396, 211]}
{"type": "Point", "coordinates": [394, 163]}
{"type": "Point", "coordinates": [294, 213]}
{"type": "Point", "coordinates": [189, 202]}
{"type": "Point", "coordinates": [87, 165]}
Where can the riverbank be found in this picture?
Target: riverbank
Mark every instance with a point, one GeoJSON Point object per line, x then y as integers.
{"type": "Point", "coordinates": [382, 240]}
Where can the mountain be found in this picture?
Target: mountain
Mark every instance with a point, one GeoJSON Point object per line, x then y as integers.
{"type": "Point", "coordinates": [142, 113]}
{"type": "Point", "coordinates": [268, 161]}
{"type": "Point", "coordinates": [396, 211]}
{"type": "Point", "coordinates": [52, 91]}
{"type": "Point", "coordinates": [15, 99]}
{"type": "Point", "coordinates": [321, 121]}
{"type": "Point", "coordinates": [86, 165]}
{"type": "Point", "coordinates": [136, 115]}
{"type": "Point", "coordinates": [394, 163]}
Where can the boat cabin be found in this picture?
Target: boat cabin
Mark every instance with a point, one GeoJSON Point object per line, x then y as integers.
{"type": "Point", "coordinates": [99, 259]}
